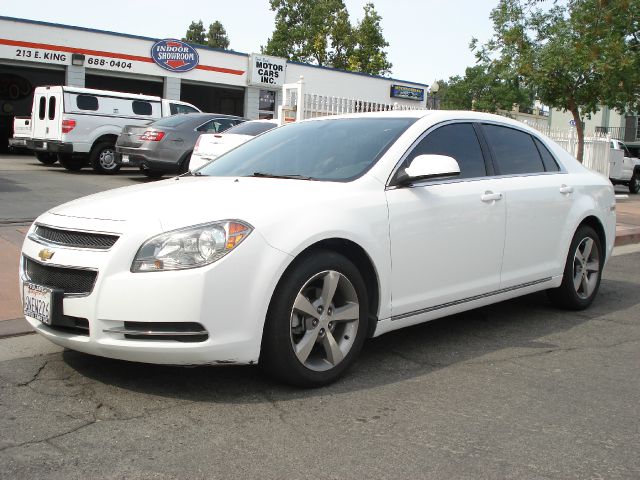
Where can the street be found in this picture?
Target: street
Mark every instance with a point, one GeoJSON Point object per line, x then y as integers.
{"type": "Point", "coordinates": [516, 390]}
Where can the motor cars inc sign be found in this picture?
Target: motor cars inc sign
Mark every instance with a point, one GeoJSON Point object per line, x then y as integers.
{"type": "Point", "coordinates": [267, 71]}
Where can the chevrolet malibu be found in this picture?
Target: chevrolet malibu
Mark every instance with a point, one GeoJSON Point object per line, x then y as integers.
{"type": "Point", "coordinates": [292, 249]}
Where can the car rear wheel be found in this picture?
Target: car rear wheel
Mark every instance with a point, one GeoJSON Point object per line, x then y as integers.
{"type": "Point", "coordinates": [582, 271]}
{"type": "Point", "coordinates": [103, 158]}
{"type": "Point", "coordinates": [47, 158]}
{"type": "Point", "coordinates": [70, 162]}
{"type": "Point", "coordinates": [317, 321]}
{"type": "Point", "coordinates": [634, 184]}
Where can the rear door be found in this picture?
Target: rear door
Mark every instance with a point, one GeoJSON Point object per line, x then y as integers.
{"type": "Point", "coordinates": [47, 113]}
{"type": "Point", "coordinates": [538, 197]}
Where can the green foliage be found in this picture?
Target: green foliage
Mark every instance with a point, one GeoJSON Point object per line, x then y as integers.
{"type": "Point", "coordinates": [575, 56]}
{"type": "Point", "coordinates": [195, 33]}
{"type": "Point", "coordinates": [483, 90]}
{"type": "Point", "coordinates": [321, 33]}
{"type": "Point", "coordinates": [217, 36]}
{"type": "Point", "coordinates": [369, 56]}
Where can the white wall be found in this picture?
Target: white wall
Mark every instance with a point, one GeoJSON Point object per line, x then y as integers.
{"type": "Point", "coordinates": [323, 81]}
{"type": "Point", "coordinates": [560, 120]}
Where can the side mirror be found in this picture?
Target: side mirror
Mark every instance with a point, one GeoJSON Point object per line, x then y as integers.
{"type": "Point", "coordinates": [429, 166]}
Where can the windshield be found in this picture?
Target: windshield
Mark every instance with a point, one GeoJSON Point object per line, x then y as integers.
{"type": "Point", "coordinates": [251, 128]}
{"type": "Point", "coordinates": [337, 150]}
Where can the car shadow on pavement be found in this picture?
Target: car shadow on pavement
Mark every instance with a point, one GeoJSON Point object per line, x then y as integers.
{"type": "Point", "coordinates": [506, 331]}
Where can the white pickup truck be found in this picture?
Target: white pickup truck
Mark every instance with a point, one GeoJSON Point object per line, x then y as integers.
{"type": "Point", "coordinates": [21, 133]}
{"type": "Point", "coordinates": [623, 168]}
{"type": "Point", "coordinates": [81, 125]}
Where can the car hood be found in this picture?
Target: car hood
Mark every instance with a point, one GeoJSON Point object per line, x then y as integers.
{"type": "Point", "coordinates": [190, 200]}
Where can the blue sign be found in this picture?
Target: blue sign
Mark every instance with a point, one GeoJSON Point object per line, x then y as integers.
{"type": "Point", "coordinates": [174, 55]}
{"type": "Point", "coordinates": [409, 93]}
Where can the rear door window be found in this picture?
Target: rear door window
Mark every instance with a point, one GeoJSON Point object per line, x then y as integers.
{"type": "Point", "coordinates": [42, 108]}
{"type": "Point", "coordinates": [550, 164]}
{"type": "Point", "coordinates": [52, 108]}
{"type": "Point", "coordinates": [513, 150]}
{"type": "Point", "coordinates": [457, 140]}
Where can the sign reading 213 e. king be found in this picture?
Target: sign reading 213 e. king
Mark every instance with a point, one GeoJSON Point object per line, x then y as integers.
{"type": "Point", "coordinates": [174, 55]}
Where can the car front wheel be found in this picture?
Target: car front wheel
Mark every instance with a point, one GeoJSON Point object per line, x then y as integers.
{"type": "Point", "coordinates": [317, 321]}
{"type": "Point", "coordinates": [582, 271]}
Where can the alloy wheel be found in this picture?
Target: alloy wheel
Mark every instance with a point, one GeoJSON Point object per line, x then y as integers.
{"type": "Point", "coordinates": [324, 320]}
{"type": "Point", "coordinates": [586, 268]}
{"type": "Point", "coordinates": [107, 159]}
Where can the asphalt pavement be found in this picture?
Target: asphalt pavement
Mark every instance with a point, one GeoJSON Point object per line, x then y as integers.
{"type": "Point", "coordinates": [517, 390]}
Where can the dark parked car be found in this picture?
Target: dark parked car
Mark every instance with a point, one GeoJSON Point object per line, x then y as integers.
{"type": "Point", "coordinates": [165, 146]}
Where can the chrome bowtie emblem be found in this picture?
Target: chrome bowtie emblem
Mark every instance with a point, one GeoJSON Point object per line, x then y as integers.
{"type": "Point", "coordinates": [45, 254]}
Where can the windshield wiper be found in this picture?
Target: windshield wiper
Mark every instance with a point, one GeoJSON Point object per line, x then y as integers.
{"type": "Point", "coordinates": [273, 175]}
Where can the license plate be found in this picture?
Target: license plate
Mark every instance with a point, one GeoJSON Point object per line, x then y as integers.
{"type": "Point", "coordinates": [37, 302]}
{"type": "Point", "coordinates": [125, 158]}
{"type": "Point", "coordinates": [44, 145]}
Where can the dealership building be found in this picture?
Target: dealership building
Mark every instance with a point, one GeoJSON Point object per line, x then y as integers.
{"type": "Point", "coordinates": [34, 53]}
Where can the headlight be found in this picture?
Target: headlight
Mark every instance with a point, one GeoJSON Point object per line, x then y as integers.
{"type": "Point", "coordinates": [190, 247]}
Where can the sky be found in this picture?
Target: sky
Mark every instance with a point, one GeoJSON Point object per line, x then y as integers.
{"type": "Point", "coordinates": [428, 39]}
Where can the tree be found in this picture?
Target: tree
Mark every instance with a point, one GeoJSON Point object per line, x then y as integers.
{"type": "Point", "coordinates": [195, 33]}
{"type": "Point", "coordinates": [369, 55]}
{"type": "Point", "coordinates": [484, 90]}
{"type": "Point", "coordinates": [321, 33]}
{"type": "Point", "coordinates": [217, 36]}
{"type": "Point", "coordinates": [575, 56]}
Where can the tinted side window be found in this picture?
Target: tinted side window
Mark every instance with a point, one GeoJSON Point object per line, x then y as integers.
{"type": "Point", "coordinates": [459, 141]}
{"type": "Point", "coordinates": [513, 151]}
{"type": "Point", "coordinates": [42, 108]}
{"type": "Point", "coordinates": [179, 108]}
{"type": "Point", "coordinates": [87, 102]}
{"type": "Point", "coordinates": [141, 108]}
{"type": "Point", "coordinates": [52, 108]}
{"type": "Point", "coordinates": [550, 164]}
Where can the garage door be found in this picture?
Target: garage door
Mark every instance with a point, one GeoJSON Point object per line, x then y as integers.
{"type": "Point", "coordinates": [214, 99]}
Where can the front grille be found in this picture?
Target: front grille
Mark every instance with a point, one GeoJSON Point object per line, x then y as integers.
{"type": "Point", "coordinates": [68, 238]}
{"type": "Point", "coordinates": [70, 280]}
{"type": "Point", "coordinates": [189, 332]}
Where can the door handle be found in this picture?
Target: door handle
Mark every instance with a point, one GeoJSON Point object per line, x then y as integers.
{"type": "Point", "coordinates": [566, 189]}
{"type": "Point", "coordinates": [177, 140]}
{"type": "Point", "coordinates": [489, 196]}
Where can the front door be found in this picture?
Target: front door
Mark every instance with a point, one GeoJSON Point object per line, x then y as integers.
{"type": "Point", "coordinates": [447, 236]}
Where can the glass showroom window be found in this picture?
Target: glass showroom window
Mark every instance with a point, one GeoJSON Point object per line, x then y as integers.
{"type": "Point", "coordinates": [267, 104]}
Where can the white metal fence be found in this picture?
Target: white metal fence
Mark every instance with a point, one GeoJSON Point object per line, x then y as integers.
{"type": "Point", "coordinates": [596, 152]}
{"type": "Point", "coordinates": [322, 105]}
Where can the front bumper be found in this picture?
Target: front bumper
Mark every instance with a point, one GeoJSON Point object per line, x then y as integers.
{"type": "Point", "coordinates": [53, 146]}
{"type": "Point", "coordinates": [229, 298]}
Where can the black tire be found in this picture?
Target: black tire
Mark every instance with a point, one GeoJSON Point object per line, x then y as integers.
{"type": "Point", "coordinates": [70, 162]}
{"type": "Point", "coordinates": [634, 184]}
{"type": "Point", "coordinates": [184, 163]}
{"type": "Point", "coordinates": [46, 158]}
{"type": "Point", "coordinates": [151, 173]}
{"type": "Point", "coordinates": [278, 355]}
{"type": "Point", "coordinates": [103, 158]}
{"type": "Point", "coordinates": [568, 295]}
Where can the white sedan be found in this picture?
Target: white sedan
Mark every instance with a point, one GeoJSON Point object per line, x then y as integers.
{"type": "Point", "coordinates": [210, 146]}
{"type": "Point", "coordinates": [293, 248]}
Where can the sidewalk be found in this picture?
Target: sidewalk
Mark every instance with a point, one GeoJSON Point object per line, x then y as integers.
{"type": "Point", "coordinates": [11, 236]}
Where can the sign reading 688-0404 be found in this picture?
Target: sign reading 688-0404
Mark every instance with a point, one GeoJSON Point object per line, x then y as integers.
{"type": "Point", "coordinates": [174, 55]}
